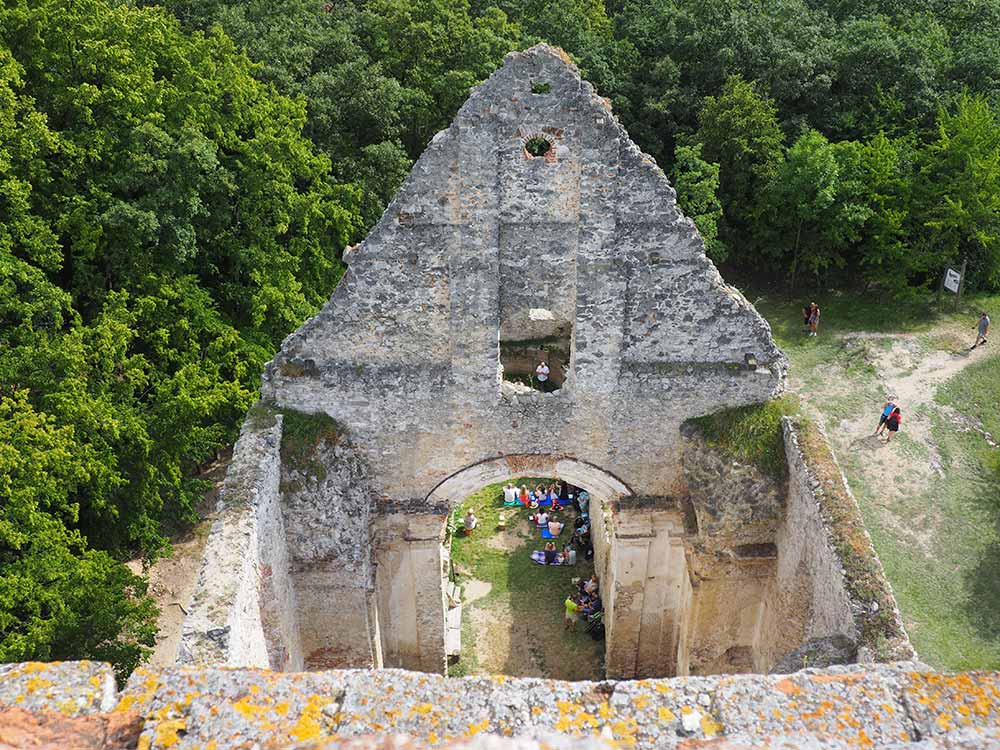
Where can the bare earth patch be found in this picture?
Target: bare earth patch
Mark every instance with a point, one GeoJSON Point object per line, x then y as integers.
{"type": "Point", "coordinates": [172, 579]}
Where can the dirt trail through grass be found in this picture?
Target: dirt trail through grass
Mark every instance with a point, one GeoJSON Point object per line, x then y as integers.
{"type": "Point", "coordinates": [930, 499]}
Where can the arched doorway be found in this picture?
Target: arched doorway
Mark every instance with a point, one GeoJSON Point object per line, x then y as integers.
{"type": "Point", "coordinates": [411, 580]}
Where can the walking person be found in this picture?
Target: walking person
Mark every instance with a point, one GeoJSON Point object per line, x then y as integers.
{"type": "Point", "coordinates": [982, 329]}
{"type": "Point", "coordinates": [892, 424]}
{"type": "Point", "coordinates": [813, 318]}
{"type": "Point", "coordinates": [887, 408]}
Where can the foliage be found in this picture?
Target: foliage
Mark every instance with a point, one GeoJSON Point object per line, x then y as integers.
{"type": "Point", "coordinates": [59, 599]}
{"type": "Point", "coordinates": [697, 184]}
{"type": "Point", "coordinates": [301, 434]}
{"type": "Point", "coordinates": [164, 222]}
{"type": "Point", "coordinates": [752, 434]}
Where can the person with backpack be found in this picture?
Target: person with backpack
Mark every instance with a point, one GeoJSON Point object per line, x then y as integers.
{"type": "Point", "coordinates": [886, 411]}
{"type": "Point", "coordinates": [892, 423]}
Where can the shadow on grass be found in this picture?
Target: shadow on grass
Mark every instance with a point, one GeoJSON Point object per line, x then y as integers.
{"type": "Point", "coordinates": [982, 582]}
{"type": "Point", "coordinates": [983, 605]}
{"type": "Point", "coordinates": [525, 599]}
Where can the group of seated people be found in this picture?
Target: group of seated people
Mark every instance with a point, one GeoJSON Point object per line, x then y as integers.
{"type": "Point", "coordinates": [541, 495]}
{"type": "Point", "coordinates": [586, 602]}
{"type": "Point", "coordinates": [547, 502]}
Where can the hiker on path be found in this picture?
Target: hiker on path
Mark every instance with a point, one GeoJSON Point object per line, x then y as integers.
{"type": "Point", "coordinates": [887, 408]}
{"type": "Point", "coordinates": [982, 329]}
{"type": "Point", "coordinates": [892, 424]}
{"type": "Point", "coordinates": [813, 318]}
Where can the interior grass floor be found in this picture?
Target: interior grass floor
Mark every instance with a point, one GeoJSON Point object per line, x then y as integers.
{"type": "Point", "coordinates": [517, 627]}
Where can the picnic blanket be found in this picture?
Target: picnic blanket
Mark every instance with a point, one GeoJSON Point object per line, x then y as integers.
{"type": "Point", "coordinates": [511, 503]}
{"type": "Point", "coordinates": [546, 534]}
{"type": "Point", "coordinates": [538, 556]}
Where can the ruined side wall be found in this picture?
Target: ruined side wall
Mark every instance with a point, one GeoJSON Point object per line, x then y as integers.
{"type": "Point", "coordinates": [826, 559]}
{"type": "Point", "coordinates": [243, 611]}
{"type": "Point", "coordinates": [327, 505]}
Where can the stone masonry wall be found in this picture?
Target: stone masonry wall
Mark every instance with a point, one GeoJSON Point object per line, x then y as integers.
{"type": "Point", "coordinates": [900, 706]}
{"type": "Point", "coordinates": [243, 612]}
{"type": "Point", "coordinates": [826, 560]}
{"type": "Point", "coordinates": [326, 503]}
{"type": "Point", "coordinates": [406, 353]}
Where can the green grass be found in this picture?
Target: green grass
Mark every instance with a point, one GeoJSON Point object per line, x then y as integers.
{"type": "Point", "coordinates": [940, 542]}
{"type": "Point", "coordinates": [941, 551]}
{"type": "Point", "coordinates": [534, 593]}
{"type": "Point", "coordinates": [751, 434]}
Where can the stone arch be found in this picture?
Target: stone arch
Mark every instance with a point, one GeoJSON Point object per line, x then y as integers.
{"type": "Point", "coordinates": [411, 571]}
{"type": "Point", "coordinates": [456, 487]}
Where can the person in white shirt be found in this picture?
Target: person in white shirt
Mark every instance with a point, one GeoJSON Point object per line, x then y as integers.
{"type": "Point", "coordinates": [542, 373]}
{"type": "Point", "coordinates": [509, 494]}
{"type": "Point", "coordinates": [555, 528]}
{"type": "Point", "coordinates": [543, 518]}
{"type": "Point", "coordinates": [470, 521]}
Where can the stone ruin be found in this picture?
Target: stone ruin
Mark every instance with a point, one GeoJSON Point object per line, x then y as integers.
{"type": "Point", "coordinates": [404, 395]}
{"type": "Point", "coordinates": [531, 228]}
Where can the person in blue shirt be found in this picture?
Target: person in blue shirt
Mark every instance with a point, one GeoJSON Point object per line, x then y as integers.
{"type": "Point", "coordinates": [886, 411]}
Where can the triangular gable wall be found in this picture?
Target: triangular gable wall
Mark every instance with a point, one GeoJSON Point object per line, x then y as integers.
{"type": "Point", "coordinates": [405, 354]}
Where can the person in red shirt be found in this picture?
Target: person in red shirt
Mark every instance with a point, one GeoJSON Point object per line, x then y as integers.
{"type": "Point", "coordinates": [892, 423]}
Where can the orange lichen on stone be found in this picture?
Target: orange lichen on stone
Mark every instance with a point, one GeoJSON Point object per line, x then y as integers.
{"type": "Point", "coordinates": [37, 683]}
{"type": "Point", "coordinates": [788, 687]}
{"type": "Point", "coordinates": [710, 726]}
{"type": "Point", "coordinates": [475, 729]}
{"type": "Point", "coordinates": [308, 726]}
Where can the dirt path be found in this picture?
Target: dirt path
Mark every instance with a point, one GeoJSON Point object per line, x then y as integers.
{"type": "Point", "coordinates": [924, 496]}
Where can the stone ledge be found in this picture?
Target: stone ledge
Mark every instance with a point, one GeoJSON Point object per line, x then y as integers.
{"type": "Point", "coordinates": [900, 705]}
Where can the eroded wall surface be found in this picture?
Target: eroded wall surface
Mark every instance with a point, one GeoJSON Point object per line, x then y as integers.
{"type": "Point", "coordinates": [244, 610]}
{"type": "Point", "coordinates": [406, 353]}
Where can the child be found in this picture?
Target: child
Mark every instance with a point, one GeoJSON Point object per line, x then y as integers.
{"type": "Point", "coordinates": [892, 424]}
{"type": "Point", "coordinates": [572, 608]}
{"type": "Point", "coordinates": [813, 318]}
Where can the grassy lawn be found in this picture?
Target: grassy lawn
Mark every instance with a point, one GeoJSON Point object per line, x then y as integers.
{"type": "Point", "coordinates": [517, 627]}
{"type": "Point", "coordinates": [931, 500]}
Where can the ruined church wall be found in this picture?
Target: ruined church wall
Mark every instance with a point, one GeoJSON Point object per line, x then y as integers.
{"type": "Point", "coordinates": [327, 501]}
{"type": "Point", "coordinates": [405, 355]}
{"type": "Point", "coordinates": [243, 611]}
{"type": "Point", "coordinates": [829, 579]}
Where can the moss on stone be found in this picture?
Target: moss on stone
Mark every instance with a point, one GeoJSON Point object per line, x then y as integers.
{"type": "Point", "coordinates": [301, 436]}
{"type": "Point", "coordinates": [863, 576]}
{"type": "Point", "coordinates": [751, 434]}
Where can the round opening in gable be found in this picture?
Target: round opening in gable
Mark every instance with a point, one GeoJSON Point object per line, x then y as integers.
{"type": "Point", "coordinates": [538, 146]}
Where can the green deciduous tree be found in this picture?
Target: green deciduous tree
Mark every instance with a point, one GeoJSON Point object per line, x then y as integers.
{"type": "Point", "coordinates": [957, 197]}
{"type": "Point", "coordinates": [739, 131]}
{"type": "Point", "coordinates": [697, 185]}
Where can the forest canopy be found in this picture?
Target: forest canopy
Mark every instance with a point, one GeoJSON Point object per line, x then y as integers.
{"type": "Point", "coordinates": [178, 181]}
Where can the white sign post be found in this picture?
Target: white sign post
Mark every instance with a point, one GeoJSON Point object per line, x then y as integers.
{"type": "Point", "coordinates": [952, 280]}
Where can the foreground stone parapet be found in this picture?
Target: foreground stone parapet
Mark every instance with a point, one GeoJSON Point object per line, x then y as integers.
{"type": "Point", "coordinates": [900, 705]}
{"type": "Point", "coordinates": [70, 687]}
